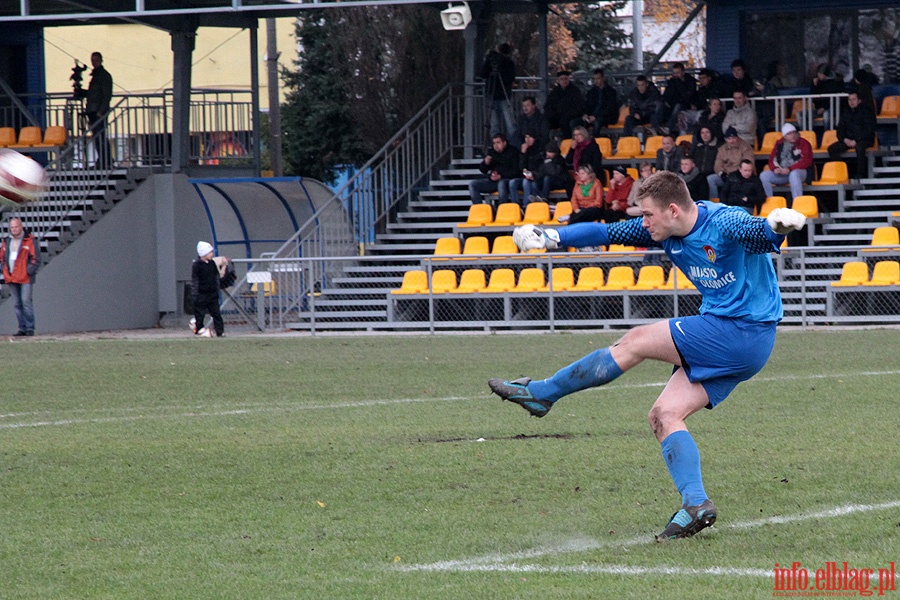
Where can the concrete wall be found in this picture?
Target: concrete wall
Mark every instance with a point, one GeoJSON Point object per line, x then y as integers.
{"type": "Point", "coordinates": [125, 270]}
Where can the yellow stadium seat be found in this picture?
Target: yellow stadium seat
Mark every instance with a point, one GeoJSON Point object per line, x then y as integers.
{"type": "Point", "coordinates": [502, 280]}
{"type": "Point", "coordinates": [808, 205]}
{"type": "Point", "coordinates": [620, 248]}
{"type": "Point", "coordinates": [443, 281]}
{"type": "Point", "coordinates": [828, 138]}
{"type": "Point", "coordinates": [479, 215]}
{"type": "Point", "coordinates": [619, 278]}
{"type": "Point", "coordinates": [890, 107]}
{"type": "Point", "coordinates": [834, 172]}
{"type": "Point", "coordinates": [447, 246]}
{"type": "Point", "coordinates": [564, 146]}
{"type": "Point", "coordinates": [530, 280]}
{"type": "Point", "coordinates": [589, 279]}
{"type": "Point", "coordinates": [28, 136]}
{"type": "Point", "coordinates": [508, 213]}
{"type": "Point", "coordinates": [7, 137]}
{"type": "Point", "coordinates": [684, 138]}
{"type": "Point", "coordinates": [605, 146]}
{"type": "Point", "coordinates": [678, 280]}
{"type": "Point", "coordinates": [884, 238]}
{"type": "Point", "coordinates": [768, 143]}
{"type": "Point", "coordinates": [623, 114]}
{"type": "Point", "coordinates": [471, 281]}
{"type": "Point", "coordinates": [476, 244]}
{"type": "Point", "coordinates": [536, 213]}
{"type": "Point", "coordinates": [771, 203]}
{"type": "Point", "coordinates": [414, 282]}
{"type": "Point", "coordinates": [810, 136]}
{"type": "Point", "coordinates": [562, 208]}
{"type": "Point", "coordinates": [852, 274]}
{"type": "Point", "coordinates": [54, 135]}
{"type": "Point", "coordinates": [504, 244]}
{"type": "Point", "coordinates": [628, 147]}
{"type": "Point", "coordinates": [885, 272]}
{"type": "Point", "coordinates": [633, 172]}
{"type": "Point", "coordinates": [651, 145]}
{"type": "Point", "coordinates": [561, 280]}
{"type": "Point", "coordinates": [650, 277]}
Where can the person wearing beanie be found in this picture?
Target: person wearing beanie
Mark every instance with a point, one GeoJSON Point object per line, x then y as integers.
{"type": "Point", "coordinates": [791, 162]}
{"type": "Point", "coordinates": [205, 289]}
{"type": "Point", "coordinates": [617, 198]}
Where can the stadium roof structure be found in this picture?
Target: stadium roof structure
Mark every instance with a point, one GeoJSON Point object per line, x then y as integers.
{"type": "Point", "coordinates": [167, 14]}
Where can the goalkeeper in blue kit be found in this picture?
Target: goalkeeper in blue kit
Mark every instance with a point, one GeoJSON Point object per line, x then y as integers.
{"type": "Point", "coordinates": [725, 252]}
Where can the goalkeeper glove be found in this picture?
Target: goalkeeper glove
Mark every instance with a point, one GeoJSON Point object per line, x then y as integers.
{"type": "Point", "coordinates": [529, 237]}
{"type": "Point", "coordinates": [785, 220]}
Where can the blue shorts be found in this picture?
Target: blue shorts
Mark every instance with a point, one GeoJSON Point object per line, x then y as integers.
{"type": "Point", "coordinates": [719, 352]}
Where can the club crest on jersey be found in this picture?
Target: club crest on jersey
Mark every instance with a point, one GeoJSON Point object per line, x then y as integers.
{"type": "Point", "coordinates": [710, 253]}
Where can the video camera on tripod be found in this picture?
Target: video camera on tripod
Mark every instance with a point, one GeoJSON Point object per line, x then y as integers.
{"type": "Point", "coordinates": [78, 70]}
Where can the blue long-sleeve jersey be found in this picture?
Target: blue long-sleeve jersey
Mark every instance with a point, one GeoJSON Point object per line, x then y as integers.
{"type": "Point", "coordinates": [726, 255]}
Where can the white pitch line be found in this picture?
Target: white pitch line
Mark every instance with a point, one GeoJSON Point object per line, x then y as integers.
{"type": "Point", "coordinates": [501, 562]}
{"type": "Point", "coordinates": [358, 404]}
{"type": "Point", "coordinates": [609, 570]}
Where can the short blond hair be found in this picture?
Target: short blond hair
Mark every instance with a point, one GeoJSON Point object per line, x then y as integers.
{"type": "Point", "coordinates": [666, 188]}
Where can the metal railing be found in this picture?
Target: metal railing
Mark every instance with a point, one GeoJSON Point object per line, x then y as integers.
{"type": "Point", "coordinates": [804, 274]}
{"type": "Point", "coordinates": [378, 190]}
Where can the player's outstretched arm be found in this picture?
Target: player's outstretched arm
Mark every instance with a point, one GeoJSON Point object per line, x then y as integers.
{"type": "Point", "coordinates": [760, 235]}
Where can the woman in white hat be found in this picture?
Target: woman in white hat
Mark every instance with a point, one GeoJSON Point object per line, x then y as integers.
{"type": "Point", "coordinates": [205, 289]}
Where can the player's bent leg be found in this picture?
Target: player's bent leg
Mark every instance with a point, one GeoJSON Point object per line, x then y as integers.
{"type": "Point", "coordinates": [596, 369]}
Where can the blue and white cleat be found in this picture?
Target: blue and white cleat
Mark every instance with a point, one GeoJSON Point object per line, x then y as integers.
{"type": "Point", "coordinates": [688, 521]}
{"type": "Point", "coordinates": [517, 391]}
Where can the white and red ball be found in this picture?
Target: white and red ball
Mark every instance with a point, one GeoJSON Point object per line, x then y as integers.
{"type": "Point", "coordinates": [22, 179]}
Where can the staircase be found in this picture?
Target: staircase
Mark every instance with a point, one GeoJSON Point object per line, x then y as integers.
{"type": "Point", "coordinates": [66, 211]}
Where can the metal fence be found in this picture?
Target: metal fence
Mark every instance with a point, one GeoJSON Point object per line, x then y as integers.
{"type": "Point", "coordinates": [360, 293]}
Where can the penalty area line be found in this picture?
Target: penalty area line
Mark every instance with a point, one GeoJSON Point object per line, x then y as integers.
{"type": "Point", "coordinates": [509, 562]}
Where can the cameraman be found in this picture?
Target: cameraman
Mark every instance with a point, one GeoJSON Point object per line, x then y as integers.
{"type": "Point", "coordinates": [99, 95]}
{"type": "Point", "coordinates": [499, 73]}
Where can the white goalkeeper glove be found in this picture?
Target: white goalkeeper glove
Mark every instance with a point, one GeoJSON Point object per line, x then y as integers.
{"type": "Point", "coordinates": [529, 237]}
{"type": "Point", "coordinates": [785, 220]}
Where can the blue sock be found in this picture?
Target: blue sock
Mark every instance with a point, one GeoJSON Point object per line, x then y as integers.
{"type": "Point", "coordinates": [683, 459]}
{"type": "Point", "coordinates": [595, 369]}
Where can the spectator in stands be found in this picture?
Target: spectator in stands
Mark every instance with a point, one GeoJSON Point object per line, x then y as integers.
{"type": "Point", "coordinates": [742, 117]}
{"type": "Point", "coordinates": [708, 85]}
{"type": "Point", "coordinates": [499, 74]}
{"type": "Point", "coordinates": [552, 174]}
{"type": "Point", "coordinates": [601, 106]}
{"type": "Point", "coordinates": [728, 160]}
{"type": "Point", "coordinates": [99, 96]}
{"type": "Point", "coordinates": [564, 104]}
{"type": "Point", "coordinates": [645, 170]}
{"type": "Point", "coordinates": [620, 187]}
{"type": "Point", "coordinates": [585, 151]}
{"type": "Point", "coordinates": [587, 198]}
{"type": "Point", "coordinates": [862, 85]}
{"type": "Point", "coordinates": [531, 156]}
{"type": "Point", "coordinates": [704, 151]}
{"type": "Point", "coordinates": [668, 157]}
{"type": "Point", "coordinates": [740, 80]}
{"type": "Point", "coordinates": [856, 132]}
{"type": "Point", "coordinates": [769, 87]}
{"type": "Point", "coordinates": [824, 82]}
{"type": "Point", "coordinates": [533, 120]}
{"type": "Point", "coordinates": [20, 255]}
{"type": "Point", "coordinates": [744, 189]}
{"type": "Point", "coordinates": [791, 162]}
{"type": "Point", "coordinates": [205, 284]}
{"type": "Point", "coordinates": [713, 116]}
{"type": "Point", "coordinates": [680, 90]}
{"type": "Point", "coordinates": [500, 165]}
{"type": "Point", "coordinates": [643, 107]}
{"type": "Point", "coordinates": [695, 181]}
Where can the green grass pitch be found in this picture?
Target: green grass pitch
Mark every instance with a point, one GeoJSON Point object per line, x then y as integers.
{"type": "Point", "coordinates": [380, 467]}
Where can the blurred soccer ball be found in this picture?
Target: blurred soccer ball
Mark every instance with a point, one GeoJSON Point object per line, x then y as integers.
{"type": "Point", "coordinates": [21, 178]}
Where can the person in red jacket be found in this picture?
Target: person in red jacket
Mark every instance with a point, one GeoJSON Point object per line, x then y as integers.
{"type": "Point", "coordinates": [790, 162]}
{"type": "Point", "coordinates": [20, 256]}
